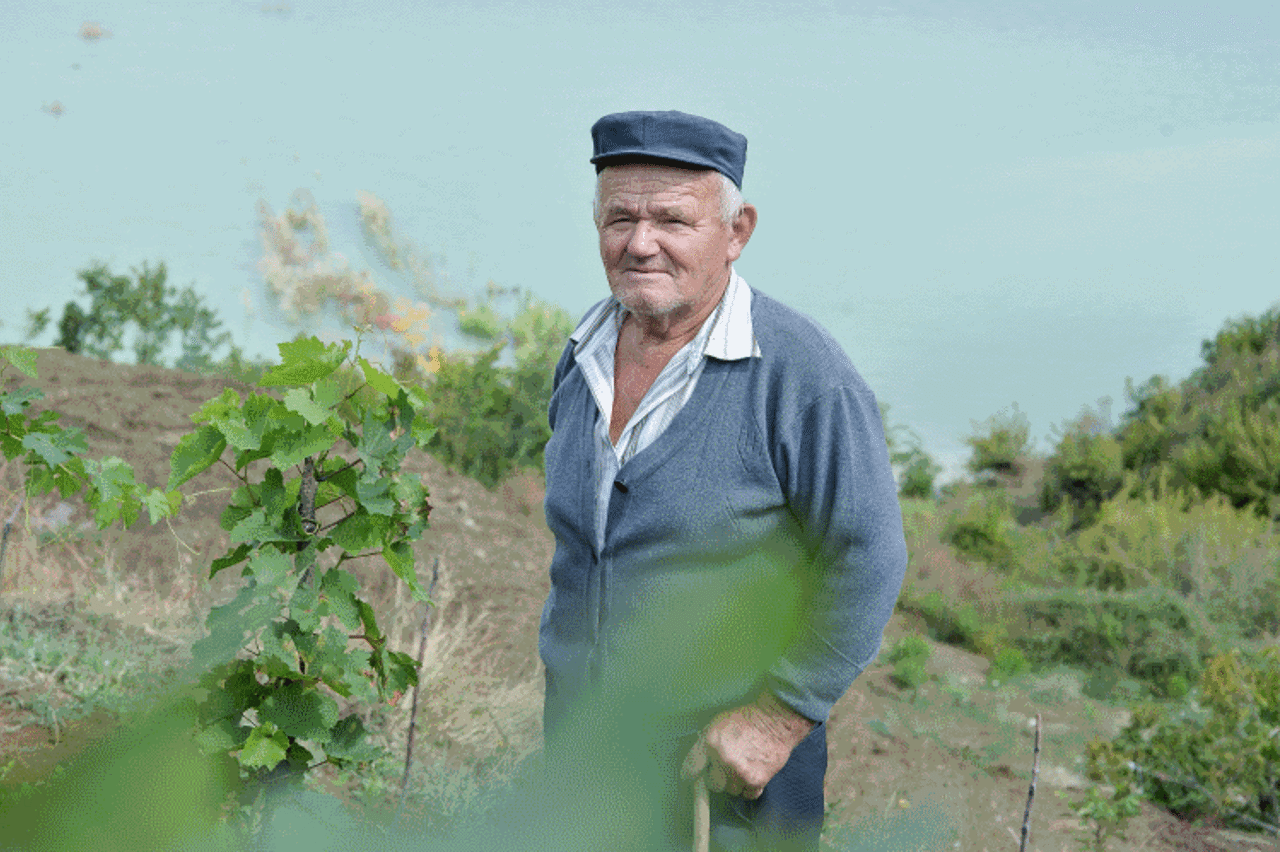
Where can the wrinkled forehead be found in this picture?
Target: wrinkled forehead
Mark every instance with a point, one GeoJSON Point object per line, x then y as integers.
{"type": "Point", "coordinates": [651, 183]}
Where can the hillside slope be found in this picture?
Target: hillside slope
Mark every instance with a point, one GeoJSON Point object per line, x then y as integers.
{"type": "Point", "coordinates": [943, 767]}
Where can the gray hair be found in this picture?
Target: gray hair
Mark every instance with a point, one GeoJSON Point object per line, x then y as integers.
{"type": "Point", "coordinates": [731, 200]}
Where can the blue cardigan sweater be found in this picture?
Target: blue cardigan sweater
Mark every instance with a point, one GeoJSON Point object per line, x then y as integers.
{"type": "Point", "coordinates": [756, 544]}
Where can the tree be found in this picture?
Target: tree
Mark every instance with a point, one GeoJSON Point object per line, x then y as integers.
{"type": "Point", "coordinates": [144, 309]}
{"type": "Point", "coordinates": [999, 443]}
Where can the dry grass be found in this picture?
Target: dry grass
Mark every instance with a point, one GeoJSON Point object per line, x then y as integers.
{"type": "Point", "coordinates": [476, 722]}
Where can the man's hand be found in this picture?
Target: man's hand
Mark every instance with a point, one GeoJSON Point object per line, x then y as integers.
{"type": "Point", "coordinates": [743, 748]}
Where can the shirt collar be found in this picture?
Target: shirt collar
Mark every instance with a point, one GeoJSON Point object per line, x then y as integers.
{"type": "Point", "coordinates": [733, 335]}
{"type": "Point", "coordinates": [728, 333]}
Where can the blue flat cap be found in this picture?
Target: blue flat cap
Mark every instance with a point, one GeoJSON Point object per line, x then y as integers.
{"type": "Point", "coordinates": [669, 137]}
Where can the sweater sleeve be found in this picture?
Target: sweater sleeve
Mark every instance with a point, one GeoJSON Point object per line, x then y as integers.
{"type": "Point", "coordinates": [834, 468]}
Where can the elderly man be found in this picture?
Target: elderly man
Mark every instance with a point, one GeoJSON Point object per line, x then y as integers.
{"type": "Point", "coordinates": [729, 543]}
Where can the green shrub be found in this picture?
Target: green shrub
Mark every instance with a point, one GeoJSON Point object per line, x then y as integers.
{"type": "Point", "coordinates": [1216, 757]}
{"type": "Point", "coordinates": [1236, 455]}
{"type": "Point", "coordinates": [999, 443]}
{"type": "Point", "coordinates": [1219, 429]}
{"type": "Point", "coordinates": [983, 527]}
{"type": "Point", "coordinates": [147, 310]}
{"type": "Point", "coordinates": [1009, 662]}
{"type": "Point", "coordinates": [909, 657]}
{"type": "Point", "coordinates": [1247, 337]}
{"type": "Point", "coordinates": [959, 623]}
{"type": "Point", "coordinates": [1225, 560]}
{"type": "Point", "coordinates": [918, 472]}
{"type": "Point", "coordinates": [1148, 431]}
{"type": "Point", "coordinates": [1150, 634]}
{"type": "Point", "coordinates": [492, 419]}
{"type": "Point", "coordinates": [1111, 801]}
{"type": "Point", "coordinates": [1108, 684]}
{"type": "Point", "coordinates": [1085, 470]}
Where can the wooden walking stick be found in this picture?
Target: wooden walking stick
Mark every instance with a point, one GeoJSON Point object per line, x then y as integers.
{"type": "Point", "coordinates": [701, 815]}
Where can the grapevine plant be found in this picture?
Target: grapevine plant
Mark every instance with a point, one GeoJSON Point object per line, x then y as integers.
{"type": "Point", "coordinates": [318, 461]}
{"type": "Point", "coordinates": [55, 460]}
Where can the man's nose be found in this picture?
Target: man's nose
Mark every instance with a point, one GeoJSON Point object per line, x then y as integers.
{"type": "Point", "coordinates": [642, 242]}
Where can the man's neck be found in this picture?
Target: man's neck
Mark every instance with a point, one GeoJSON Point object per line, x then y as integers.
{"type": "Point", "coordinates": [673, 330]}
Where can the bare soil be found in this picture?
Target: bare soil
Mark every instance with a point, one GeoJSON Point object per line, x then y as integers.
{"type": "Point", "coordinates": [944, 767]}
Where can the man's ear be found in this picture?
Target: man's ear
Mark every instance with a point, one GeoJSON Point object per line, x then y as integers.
{"type": "Point", "coordinates": [741, 230]}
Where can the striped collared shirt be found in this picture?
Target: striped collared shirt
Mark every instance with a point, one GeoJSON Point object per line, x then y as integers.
{"type": "Point", "coordinates": [726, 334]}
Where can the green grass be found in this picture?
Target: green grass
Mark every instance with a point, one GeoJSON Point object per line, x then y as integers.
{"type": "Point", "coordinates": [61, 663]}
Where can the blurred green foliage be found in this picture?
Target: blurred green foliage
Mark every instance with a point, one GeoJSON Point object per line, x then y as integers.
{"type": "Point", "coordinates": [1008, 662]}
{"type": "Point", "coordinates": [982, 527]}
{"type": "Point", "coordinates": [959, 623]}
{"type": "Point", "coordinates": [1156, 545]}
{"type": "Point", "coordinates": [999, 444]}
{"type": "Point", "coordinates": [909, 658]}
{"type": "Point", "coordinates": [145, 310]}
{"type": "Point", "coordinates": [1084, 470]}
{"type": "Point", "coordinates": [916, 470]}
{"type": "Point", "coordinates": [491, 418]}
{"type": "Point", "coordinates": [1215, 756]}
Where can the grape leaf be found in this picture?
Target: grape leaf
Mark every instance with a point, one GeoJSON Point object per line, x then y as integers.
{"type": "Point", "coordinates": [161, 505]}
{"type": "Point", "coordinates": [300, 712]}
{"type": "Point", "coordinates": [378, 380]}
{"type": "Point", "coordinates": [55, 447]}
{"type": "Point", "coordinates": [299, 401]}
{"type": "Point", "coordinates": [291, 449]}
{"type": "Point", "coordinates": [220, 737]}
{"type": "Point", "coordinates": [22, 358]}
{"type": "Point", "coordinates": [234, 557]}
{"type": "Point", "coordinates": [251, 608]}
{"type": "Point", "coordinates": [264, 749]}
{"type": "Point", "coordinates": [305, 361]}
{"type": "Point", "coordinates": [339, 588]}
{"type": "Point", "coordinates": [15, 401]}
{"type": "Point", "coordinates": [372, 491]}
{"type": "Point", "coordinates": [269, 566]}
{"type": "Point", "coordinates": [255, 527]}
{"type": "Point", "coordinates": [196, 452]}
{"type": "Point", "coordinates": [400, 557]}
{"type": "Point", "coordinates": [375, 441]}
{"type": "Point", "coordinates": [237, 431]}
{"type": "Point", "coordinates": [361, 532]}
{"type": "Point", "coordinates": [349, 741]}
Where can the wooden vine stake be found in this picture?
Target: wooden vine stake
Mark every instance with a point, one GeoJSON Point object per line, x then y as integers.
{"type": "Point", "coordinates": [413, 707]}
{"type": "Point", "coordinates": [1031, 792]}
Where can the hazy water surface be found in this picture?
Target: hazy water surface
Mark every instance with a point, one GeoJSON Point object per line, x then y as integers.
{"type": "Point", "coordinates": [985, 205]}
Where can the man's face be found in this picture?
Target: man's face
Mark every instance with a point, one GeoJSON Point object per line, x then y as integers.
{"type": "Point", "coordinates": [662, 242]}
